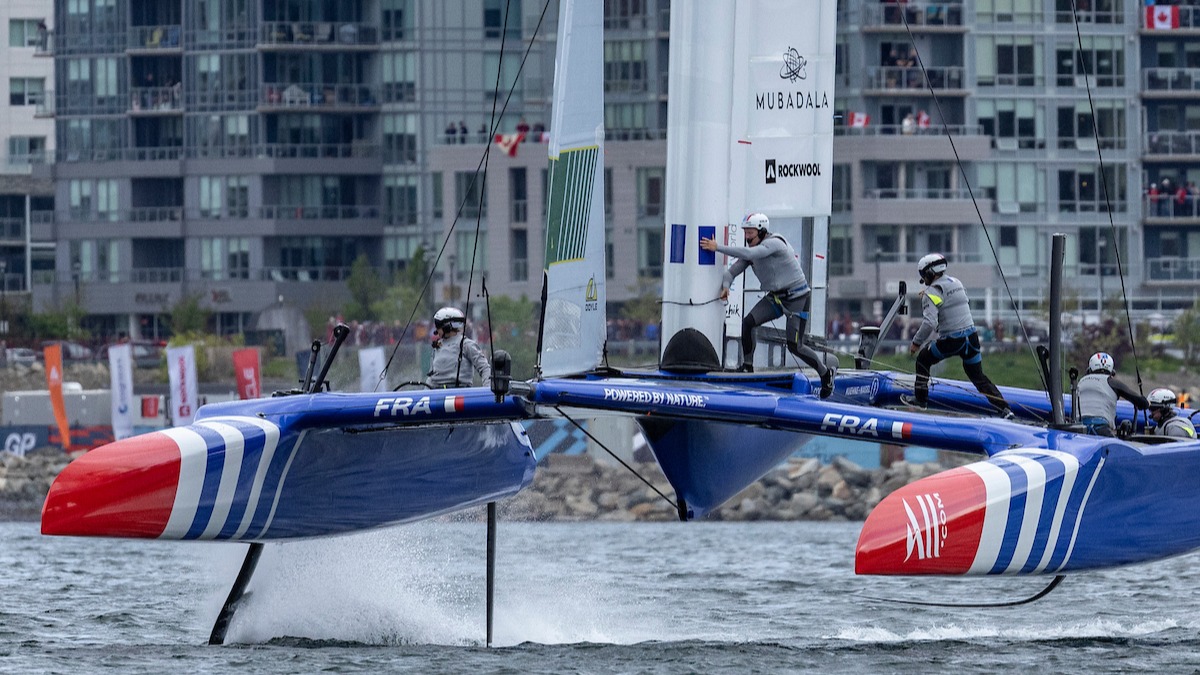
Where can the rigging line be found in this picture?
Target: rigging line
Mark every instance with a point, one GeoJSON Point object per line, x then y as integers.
{"type": "Point", "coordinates": [1112, 225]}
{"type": "Point", "coordinates": [1013, 603]}
{"type": "Point", "coordinates": [614, 456]}
{"type": "Point", "coordinates": [487, 306]}
{"type": "Point", "coordinates": [967, 181]}
{"type": "Point", "coordinates": [458, 213]}
{"type": "Point", "coordinates": [487, 155]}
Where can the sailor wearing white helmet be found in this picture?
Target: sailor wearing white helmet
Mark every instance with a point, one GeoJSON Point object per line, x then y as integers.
{"type": "Point", "coordinates": [453, 353]}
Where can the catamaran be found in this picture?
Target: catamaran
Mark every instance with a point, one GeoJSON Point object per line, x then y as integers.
{"type": "Point", "coordinates": [749, 94]}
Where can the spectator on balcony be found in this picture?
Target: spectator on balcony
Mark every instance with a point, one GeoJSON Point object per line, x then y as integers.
{"type": "Point", "coordinates": [43, 35]}
{"type": "Point", "coordinates": [451, 132]}
{"type": "Point", "coordinates": [909, 125]}
{"type": "Point", "coordinates": [1164, 202]}
{"type": "Point", "coordinates": [523, 129]}
{"type": "Point", "coordinates": [462, 131]}
{"type": "Point", "coordinates": [1183, 201]}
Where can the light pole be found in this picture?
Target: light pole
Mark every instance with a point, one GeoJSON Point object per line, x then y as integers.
{"type": "Point", "coordinates": [878, 278]}
{"type": "Point", "coordinates": [451, 292]}
{"type": "Point", "coordinates": [1101, 244]}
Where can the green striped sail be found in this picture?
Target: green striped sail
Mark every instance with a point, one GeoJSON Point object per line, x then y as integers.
{"type": "Point", "coordinates": [569, 204]}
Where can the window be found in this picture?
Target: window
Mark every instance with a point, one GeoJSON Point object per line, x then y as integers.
{"type": "Point", "coordinates": [1007, 61]}
{"type": "Point", "coordinates": [27, 149]}
{"type": "Point", "coordinates": [25, 32]}
{"type": "Point", "coordinates": [224, 196]}
{"type": "Point", "coordinates": [650, 192]}
{"type": "Point", "coordinates": [400, 139]}
{"type": "Point", "coordinates": [841, 251]}
{"type": "Point", "coordinates": [397, 19]}
{"type": "Point", "coordinates": [1075, 125]}
{"type": "Point", "coordinates": [1013, 124]}
{"type": "Point", "coordinates": [400, 199]}
{"type": "Point", "coordinates": [469, 194]}
{"type": "Point", "coordinates": [624, 66]}
{"type": "Point", "coordinates": [1102, 60]}
{"type": "Point", "coordinates": [399, 77]}
{"type": "Point", "coordinates": [98, 260]}
{"type": "Point", "coordinates": [508, 77]}
{"type": "Point", "coordinates": [625, 14]}
{"type": "Point", "coordinates": [436, 178]}
{"type": "Point", "coordinates": [625, 121]}
{"type": "Point", "coordinates": [466, 250]}
{"type": "Point", "coordinates": [1009, 11]}
{"type": "Point", "coordinates": [608, 194]}
{"type": "Point", "coordinates": [494, 19]}
{"type": "Point", "coordinates": [518, 195]}
{"type": "Point", "coordinates": [1080, 189]}
{"type": "Point", "coordinates": [518, 254]}
{"type": "Point", "coordinates": [1016, 187]}
{"type": "Point", "coordinates": [650, 252]}
{"type": "Point", "coordinates": [26, 90]}
{"type": "Point", "coordinates": [225, 258]}
{"type": "Point", "coordinates": [399, 251]}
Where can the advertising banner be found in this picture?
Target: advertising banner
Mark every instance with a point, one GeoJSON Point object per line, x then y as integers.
{"type": "Point", "coordinates": [370, 365]}
{"type": "Point", "coordinates": [185, 394]}
{"type": "Point", "coordinates": [246, 372]}
{"type": "Point", "coordinates": [120, 368]}
{"type": "Point", "coordinates": [54, 380]}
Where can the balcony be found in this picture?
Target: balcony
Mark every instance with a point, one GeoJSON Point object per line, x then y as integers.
{"type": "Point", "coordinates": [302, 212]}
{"type": "Point", "coordinates": [894, 80]}
{"type": "Point", "coordinates": [1185, 270]}
{"type": "Point", "coordinates": [321, 34]}
{"type": "Point", "coordinates": [289, 96]}
{"type": "Point", "coordinates": [156, 100]}
{"type": "Point", "coordinates": [923, 17]}
{"type": "Point", "coordinates": [305, 274]}
{"type": "Point", "coordinates": [1164, 209]}
{"type": "Point", "coordinates": [43, 104]}
{"type": "Point", "coordinates": [154, 38]}
{"type": "Point", "coordinates": [1171, 145]}
{"type": "Point", "coordinates": [1170, 83]}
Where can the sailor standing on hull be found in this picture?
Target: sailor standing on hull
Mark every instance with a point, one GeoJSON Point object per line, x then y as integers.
{"type": "Point", "coordinates": [780, 275]}
{"type": "Point", "coordinates": [1098, 392]}
{"type": "Point", "coordinates": [946, 311]}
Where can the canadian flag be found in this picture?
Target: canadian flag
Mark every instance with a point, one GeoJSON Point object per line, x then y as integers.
{"type": "Point", "coordinates": [1162, 17]}
{"type": "Point", "coordinates": [509, 142]}
{"type": "Point", "coordinates": [857, 119]}
{"type": "Point", "coordinates": [923, 120]}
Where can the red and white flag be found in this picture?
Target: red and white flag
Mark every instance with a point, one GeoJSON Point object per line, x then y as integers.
{"type": "Point", "coordinates": [510, 142]}
{"type": "Point", "coordinates": [1162, 17]}
{"type": "Point", "coordinates": [857, 119]}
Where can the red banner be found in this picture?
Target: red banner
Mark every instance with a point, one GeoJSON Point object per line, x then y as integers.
{"type": "Point", "coordinates": [54, 380]}
{"type": "Point", "coordinates": [246, 373]}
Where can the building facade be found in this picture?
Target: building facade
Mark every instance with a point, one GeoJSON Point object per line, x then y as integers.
{"type": "Point", "coordinates": [247, 151]}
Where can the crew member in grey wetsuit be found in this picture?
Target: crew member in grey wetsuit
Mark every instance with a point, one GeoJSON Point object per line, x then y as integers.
{"type": "Point", "coordinates": [780, 275]}
{"type": "Point", "coordinates": [1162, 410]}
{"type": "Point", "coordinates": [946, 310]}
{"type": "Point", "coordinates": [1098, 391]}
{"type": "Point", "coordinates": [453, 354]}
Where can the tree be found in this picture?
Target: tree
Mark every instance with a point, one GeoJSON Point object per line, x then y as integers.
{"type": "Point", "coordinates": [1187, 333]}
{"type": "Point", "coordinates": [366, 288]}
{"type": "Point", "coordinates": [188, 316]}
{"type": "Point", "coordinates": [514, 329]}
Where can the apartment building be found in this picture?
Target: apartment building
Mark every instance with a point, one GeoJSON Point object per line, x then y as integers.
{"type": "Point", "coordinates": [247, 151]}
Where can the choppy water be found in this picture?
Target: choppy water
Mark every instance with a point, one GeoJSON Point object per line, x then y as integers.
{"type": "Point", "coordinates": [584, 597]}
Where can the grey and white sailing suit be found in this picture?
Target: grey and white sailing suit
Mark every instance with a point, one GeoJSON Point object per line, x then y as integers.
{"type": "Point", "coordinates": [1176, 427]}
{"type": "Point", "coordinates": [449, 370]}
{"type": "Point", "coordinates": [1098, 392]}
{"type": "Point", "coordinates": [781, 277]}
{"type": "Point", "coordinates": [946, 310]}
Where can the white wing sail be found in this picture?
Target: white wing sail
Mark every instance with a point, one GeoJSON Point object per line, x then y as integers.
{"type": "Point", "coordinates": [750, 128]}
{"type": "Point", "coordinates": [573, 328]}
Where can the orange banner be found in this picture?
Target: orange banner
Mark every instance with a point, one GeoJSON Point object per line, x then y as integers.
{"type": "Point", "coordinates": [54, 380]}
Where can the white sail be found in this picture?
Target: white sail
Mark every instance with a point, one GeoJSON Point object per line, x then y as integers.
{"type": "Point", "coordinates": [573, 329]}
{"type": "Point", "coordinates": [750, 128]}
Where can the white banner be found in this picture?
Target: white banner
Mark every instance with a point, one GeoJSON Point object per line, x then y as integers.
{"type": "Point", "coordinates": [185, 395]}
{"type": "Point", "coordinates": [120, 368]}
{"type": "Point", "coordinates": [370, 365]}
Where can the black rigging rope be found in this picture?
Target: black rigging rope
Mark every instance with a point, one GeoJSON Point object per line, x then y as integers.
{"type": "Point", "coordinates": [1112, 225]}
{"type": "Point", "coordinates": [466, 193]}
{"type": "Point", "coordinates": [614, 456]}
{"type": "Point", "coordinates": [967, 181]}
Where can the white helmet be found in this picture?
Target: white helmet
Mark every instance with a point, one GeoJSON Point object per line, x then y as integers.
{"type": "Point", "coordinates": [1162, 398]}
{"type": "Point", "coordinates": [1101, 362]}
{"type": "Point", "coordinates": [758, 221]}
{"type": "Point", "coordinates": [446, 317]}
{"type": "Point", "coordinates": [930, 266]}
